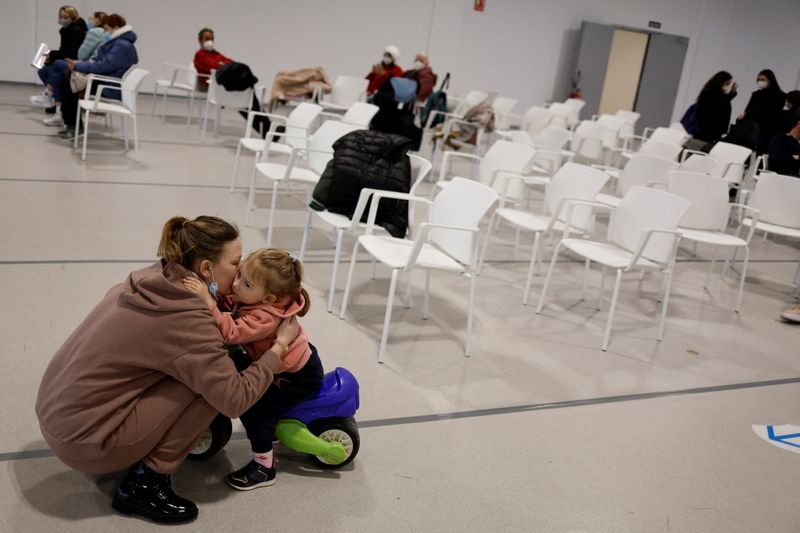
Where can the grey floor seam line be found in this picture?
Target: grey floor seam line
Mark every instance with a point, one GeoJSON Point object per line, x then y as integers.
{"type": "Point", "coordinates": [476, 413]}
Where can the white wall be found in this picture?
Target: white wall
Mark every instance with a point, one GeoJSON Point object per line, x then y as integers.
{"type": "Point", "coordinates": [520, 48]}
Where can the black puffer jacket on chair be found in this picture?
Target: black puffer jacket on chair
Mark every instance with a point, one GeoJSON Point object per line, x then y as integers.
{"type": "Point", "coordinates": [367, 159]}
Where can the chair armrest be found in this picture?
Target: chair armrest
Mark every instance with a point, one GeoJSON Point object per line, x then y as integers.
{"type": "Point", "coordinates": [755, 214]}
{"type": "Point", "coordinates": [446, 161]}
{"type": "Point", "coordinates": [571, 203]}
{"type": "Point", "coordinates": [646, 239]}
{"type": "Point", "coordinates": [251, 115]}
{"type": "Point", "coordinates": [96, 77]}
{"type": "Point", "coordinates": [422, 237]}
{"type": "Point", "coordinates": [96, 97]}
{"type": "Point", "coordinates": [687, 152]}
{"type": "Point", "coordinates": [377, 196]}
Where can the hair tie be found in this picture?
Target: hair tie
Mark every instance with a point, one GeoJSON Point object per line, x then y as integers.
{"type": "Point", "coordinates": [183, 225]}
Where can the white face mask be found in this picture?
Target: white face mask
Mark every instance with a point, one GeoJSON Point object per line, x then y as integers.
{"type": "Point", "coordinates": [727, 88]}
{"type": "Point", "coordinates": [762, 84]}
{"type": "Point", "coordinates": [208, 45]}
{"type": "Point", "coordinates": [418, 65]}
{"type": "Point", "coordinates": [386, 61]}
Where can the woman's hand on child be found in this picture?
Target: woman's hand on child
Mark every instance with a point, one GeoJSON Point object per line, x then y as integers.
{"type": "Point", "coordinates": [201, 289]}
{"type": "Point", "coordinates": [287, 331]}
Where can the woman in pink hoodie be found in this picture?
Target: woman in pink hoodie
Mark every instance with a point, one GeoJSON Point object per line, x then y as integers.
{"type": "Point", "coordinates": [266, 291]}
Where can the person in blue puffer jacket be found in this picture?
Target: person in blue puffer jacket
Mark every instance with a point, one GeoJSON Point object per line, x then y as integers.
{"type": "Point", "coordinates": [114, 58]}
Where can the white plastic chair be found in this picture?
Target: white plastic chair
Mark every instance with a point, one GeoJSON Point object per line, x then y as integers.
{"type": "Point", "coordinates": [700, 163]}
{"type": "Point", "coordinates": [642, 169]}
{"type": "Point", "coordinates": [298, 131]}
{"type": "Point", "coordinates": [550, 146]}
{"type": "Point", "coordinates": [219, 97]}
{"type": "Point", "coordinates": [665, 135]}
{"type": "Point", "coordinates": [706, 221]}
{"type": "Point", "coordinates": [575, 105]}
{"type": "Point", "coordinates": [128, 85]}
{"type": "Point", "coordinates": [628, 129]}
{"type": "Point", "coordinates": [340, 224]}
{"type": "Point", "coordinates": [642, 235]}
{"type": "Point", "coordinates": [318, 153]}
{"type": "Point", "coordinates": [346, 91]}
{"type": "Point", "coordinates": [571, 182]}
{"type": "Point", "coordinates": [588, 142]}
{"type": "Point", "coordinates": [563, 115]}
{"type": "Point", "coordinates": [502, 107]}
{"type": "Point", "coordinates": [181, 78]}
{"type": "Point", "coordinates": [776, 198]}
{"type": "Point", "coordinates": [730, 160]}
{"type": "Point", "coordinates": [359, 114]}
{"type": "Point", "coordinates": [533, 121]}
{"type": "Point", "coordinates": [448, 241]}
{"type": "Point", "coordinates": [614, 130]}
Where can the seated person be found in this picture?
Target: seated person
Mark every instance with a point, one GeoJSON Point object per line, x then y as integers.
{"type": "Point", "coordinates": [114, 58]}
{"type": "Point", "coordinates": [384, 70]}
{"type": "Point", "coordinates": [423, 75]}
{"type": "Point", "coordinates": [206, 59]}
{"type": "Point", "coordinates": [784, 151]}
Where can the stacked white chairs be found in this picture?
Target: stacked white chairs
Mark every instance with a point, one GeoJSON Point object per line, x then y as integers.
{"type": "Point", "coordinates": [571, 182]}
{"type": "Point", "coordinates": [317, 155]}
{"type": "Point", "coordinates": [642, 235]}
{"type": "Point", "coordinates": [448, 241]}
{"type": "Point", "coordinates": [346, 91]}
{"type": "Point", "coordinates": [180, 78]}
{"type": "Point", "coordinates": [298, 131]}
{"type": "Point", "coordinates": [642, 169]}
{"type": "Point", "coordinates": [128, 85]}
{"type": "Point", "coordinates": [706, 221]}
{"type": "Point", "coordinates": [219, 97]}
{"type": "Point", "coordinates": [340, 224]}
{"type": "Point", "coordinates": [776, 198]}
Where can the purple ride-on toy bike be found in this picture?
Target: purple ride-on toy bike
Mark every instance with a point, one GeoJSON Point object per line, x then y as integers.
{"type": "Point", "coordinates": [324, 427]}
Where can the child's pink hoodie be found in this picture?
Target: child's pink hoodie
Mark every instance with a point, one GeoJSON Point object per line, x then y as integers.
{"type": "Point", "coordinates": [255, 327]}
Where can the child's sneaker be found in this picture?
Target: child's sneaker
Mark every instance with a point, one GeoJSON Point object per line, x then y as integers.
{"type": "Point", "coordinates": [251, 476]}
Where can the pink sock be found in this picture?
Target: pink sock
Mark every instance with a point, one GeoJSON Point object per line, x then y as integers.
{"type": "Point", "coordinates": [264, 459]}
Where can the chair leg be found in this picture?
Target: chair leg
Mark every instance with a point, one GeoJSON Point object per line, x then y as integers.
{"type": "Point", "coordinates": [273, 206]}
{"type": "Point", "coordinates": [205, 123]}
{"type": "Point", "coordinates": [191, 109]}
{"type": "Point", "coordinates": [250, 196]}
{"type": "Point", "coordinates": [547, 279]}
{"type": "Point", "coordinates": [744, 275]}
{"type": "Point", "coordinates": [85, 133]}
{"type": "Point", "coordinates": [236, 164]}
{"type": "Point", "coordinates": [585, 280]}
{"type": "Point", "coordinates": [336, 253]}
{"type": "Point", "coordinates": [665, 302]}
{"type": "Point", "coordinates": [470, 305]}
{"type": "Point", "coordinates": [372, 269]}
{"type": "Point", "coordinates": [347, 286]}
{"type": "Point", "coordinates": [155, 97]}
{"type": "Point", "coordinates": [135, 136]}
{"type": "Point", "coordinates": [797, 283]}
{"type": "Point", "coordinates": [78, 115]}
{"type": "Point", "coordinates": [426, 296]}
{"type": "Point", "coordinates": [387, 319]}
{"type": "Point", "coordinates": [711, 268]}
{"type": "Point", "coordinates": [124, 124]}
{"type": "Point", "coordinates": [306, 230]}
{"type": "Point", "coordinates": [164, 106]}
{"type": "Point", "coordinates": [486, 243]}
{"type": "Point", "coordinates": [407, 290]}
{"type": "Point", "coordinates": [531, 267]}
{"type": "Point", "coordinates": [602, 287]}
{"type": "Point", "coordinates": [732, 257]}
{"type": "Point", "coordinates": [614, 295]}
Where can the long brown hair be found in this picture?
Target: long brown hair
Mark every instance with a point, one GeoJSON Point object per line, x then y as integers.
{"type": "Point", "coordinates": [187, 242]}
{"type": "Point", "coordinates": [279, 273]}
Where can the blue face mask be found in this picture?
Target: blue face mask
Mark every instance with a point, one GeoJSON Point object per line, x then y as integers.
{"type": "Point", "coordinates": [106, 36]}
{"type": "Point", "coordinates": [213, 288]}
{"type": "Point", "coordinates": [89, 25]}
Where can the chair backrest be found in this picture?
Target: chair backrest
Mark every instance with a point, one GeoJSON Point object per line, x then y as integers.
{"type": "Point", "coordinates": [472, 99]}
{"type": "Point", "coordinates": [518, 136]}
{"type": "Point", "coordinates": [420, 168]}
{"type": "Point", "coordinates": [129, 87]}
{"type": "Point", "coordinates": [360, 114]}
{"type": "Point", "coordinates": [668, 135]}
{"type": "Point", "coordinates": [536, 119]}
{"type": "Point", "coordinates": [508, 156]}
{"type": "Point", "coordinates": [726, 153]}
{"type": "Point", "coordinates": [575, 105]}
{"type": "Point", "coordinates": [613, 131]}
{"type": "Point", "coordinates": [660, 149]}
{"type": "Point", "coordinates": [577, 182]}
{"type": "Point", "coordinates": [588, 139]}
{"type": "Point", "coordinates": [298, 124]}
{"type": "Point", "coordinates": [643, 169]}
{"type": "Point", "coordinates": [708, 196]}
{"type": "Point", "coordinates": [563, 114]}
{"type": "Point", "coordinates": [501, 107]}
{"type": "Point", "coordinates": [323, 139]}
{"type": "Point", "coordinates": [642, 209]}
{"type": "Point", "coordinates": [679, 127]}
{"type": "Point", "coordinates": [191, 75]}
{"type": "Point", "coordinates": [552, 138]}
{"type": "Point", "coordinates": [698, 163]}
{"type": "Point", "coordinates": [347, 90]}
{"type": "Point", "coordinates": [777, 198]}
{"type": "Point", "coordinates": [462, 203]}
{"type": "Point", "coordinates": [630, 118]}
{"type": "Point", "coordinates": [219, 95]}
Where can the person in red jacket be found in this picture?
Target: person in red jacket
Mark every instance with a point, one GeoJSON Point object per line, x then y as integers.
{"type": "Point", "coordinates": [384, 70]}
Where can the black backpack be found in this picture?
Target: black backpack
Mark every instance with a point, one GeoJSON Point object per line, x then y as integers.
{"type": "Point", "coordinates": [236, 77]}
{"type": "Point", "coordinates": [437, 101]}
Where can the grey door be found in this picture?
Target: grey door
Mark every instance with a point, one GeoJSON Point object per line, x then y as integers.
{"type": "Point", "coordinates": [658, 85]}
{"type": "Point", "coordinates": [590, 69]}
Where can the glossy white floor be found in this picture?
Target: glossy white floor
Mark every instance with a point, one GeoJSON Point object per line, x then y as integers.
{"type": "Point", "coordinates": [502, 441]}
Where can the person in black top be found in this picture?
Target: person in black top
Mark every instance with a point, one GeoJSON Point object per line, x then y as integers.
{"type": "Point", "coordinates": [784, 121]}
{"type": "Point", "coordinates": [73, 31]}
{"type": "Point", "coordinates": [714, 107]}
{"type": "Point", "coordinates": [784, 151]}
{"type": "Point", "coordinates": [764, 105]}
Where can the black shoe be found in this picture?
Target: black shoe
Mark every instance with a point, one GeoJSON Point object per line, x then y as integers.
{"type": "Point", "coordinates": [251, 476]}
{"type": "Point", "coordinates": [50, 110]}
{"type": "Point", "coordinates": [147, 493]}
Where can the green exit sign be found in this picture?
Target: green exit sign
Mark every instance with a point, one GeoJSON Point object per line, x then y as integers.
{"type": "Point", "coordinates": [655, 24]}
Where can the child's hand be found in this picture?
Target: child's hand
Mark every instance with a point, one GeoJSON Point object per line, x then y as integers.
{"type": "Point", "coordinates": [200, 289]}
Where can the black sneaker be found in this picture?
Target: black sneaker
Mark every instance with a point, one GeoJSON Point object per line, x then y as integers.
{"type": "Point", "coordinates": [251, 476]}
{"type": "Point", "coordinates": [50, 110]}
{"type": "Point", "coordinates": [147, 493]}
